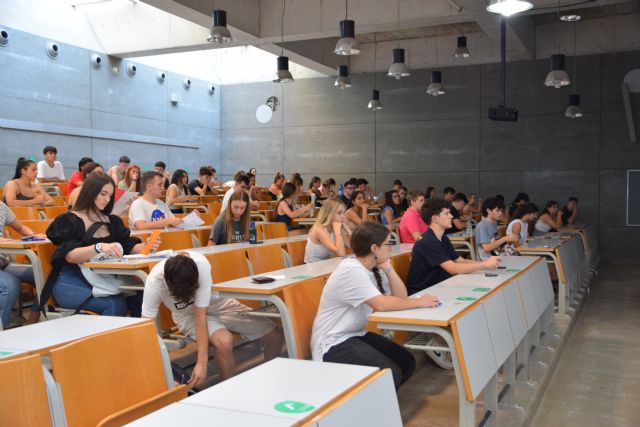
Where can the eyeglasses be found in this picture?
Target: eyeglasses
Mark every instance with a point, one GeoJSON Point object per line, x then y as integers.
{"type": "Point", "coordinates": [387, 244]}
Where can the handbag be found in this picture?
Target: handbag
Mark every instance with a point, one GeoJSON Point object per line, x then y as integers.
{"type": "Point", "coordinates": [102, 285]}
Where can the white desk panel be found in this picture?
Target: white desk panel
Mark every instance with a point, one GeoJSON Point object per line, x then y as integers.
{"type": "Point", "coordinates": [528, 301]}
{"type": "Point", "coordinates": [495, 311]}
{"type": "Point", "coordinates": [515, 311]}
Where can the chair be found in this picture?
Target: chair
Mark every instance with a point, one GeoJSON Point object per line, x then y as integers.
{"type": "Point", "coordinates": [266, 258]}
{"type": "Point", "coordinates": [401, 265]}
{"type": "Point", "coordinates": [125, 220]}
{"type": "Point", "coordinates": [36, 225]}
{"type": "Point", "coordinates": [208, 199]}
{"type": "Point", "coordinates": [25, 213]}
{"type": "Point", "coordinates": [228, 265]}
{"type": "Point", "coordinates": [62, 188]}
{"type": "Point", "coordinates": [60, 200]}
{"type": "Point", "coordinates": [145, 407]}
{"type": "Point", "coordinates": [302, 300]}
{"type": "Point", "coordinates": [214, 207]}
{"type": "Point", "coordinates": [52, 212]}
{"type": "Point", "coordinates": [271, 230]}
{"type": "Point", "coordinates": [296, 252]}
{"type": "Point", "coordinates": [23, 394]}
{"type": "Point", "coordinates": [175, 240]}
{"type": "Point", "coordinates": [119, 368]}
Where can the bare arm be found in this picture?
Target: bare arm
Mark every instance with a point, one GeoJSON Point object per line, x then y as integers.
{"type": "Point", "coordinates": [489, 246]}
{"type": "Point", "coordinates": [152, 225]}
{"type": "Point", "coordinates": [199, 373]}
{"type": "Point", "coordinates": [323, 237]}
{"type": "Point", "coordinates": [468, 266]}
{"type": "Point", "coordinates": [284, 207]}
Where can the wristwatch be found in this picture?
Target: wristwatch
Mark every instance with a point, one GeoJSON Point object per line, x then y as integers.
{"type": "Point", "coordinates": [98, 247]}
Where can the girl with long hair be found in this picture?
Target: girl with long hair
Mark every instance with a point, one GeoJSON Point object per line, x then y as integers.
{"type": "Point", "coordinates": [232, 226]}
{"type": "Point", "coordinates": [22, 189]}
{"type": "Point", "coordinates": [325, 237]}
{"type": "Point", "coordinates": [131, 180]}
{"type": "Point", "coordinates": [178, 191]}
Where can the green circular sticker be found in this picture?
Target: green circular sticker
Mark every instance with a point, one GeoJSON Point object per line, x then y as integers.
{"type": "Point", "coordinates": [466, 299]}
{"type": "Point", "coordinates": [293, 407]}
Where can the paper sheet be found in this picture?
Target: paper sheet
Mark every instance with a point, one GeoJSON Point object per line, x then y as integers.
{"type": "Point", "coordinates": [123, 203]}
{"type": "Point", "coordinates": [191, 220]}
{"type": "Point", "coordinates": [162, 254]}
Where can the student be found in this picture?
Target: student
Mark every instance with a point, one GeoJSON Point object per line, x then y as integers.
{"type": "Point", "coordinates": [254, 191]}
{"type": "Point", "coordinates": [327, 187]}
{"type": "Point", "coordinates": [117, 172]}
{"type": "Point", "coordinates": [12, 274]}
{"type": "Point", "coordinates": [161, 167]}
{"type": "Point", "coordinates": [448, 194]}
{"type": "Point", "coordinates": [131, 180]}
{"type": "Point", "coordinates": [433, 258]}
{"type": "Point", "coordinates": [347, 192]}
{"type": "Point", "coordinates": [472, 207]}
{"type": "Point", "coordinates": [314, 187]}
{"type": "Point", "coordinates": [149, 212]}
{"type": "Point", "coordinates": [325, 237]}
{"type": "Point", "coordinates": [178, 191]}
{"type": "Point", "coordinates": [241, 183]}
{"type": "Point", "coordinates": [458, 203]}
{"type": "Point", "coordinates": [396, 184]}
{"type": "Point", "coordinates": [430, 193]}
{"type": "Point", "coordinates": [87, 170]}
{"type": "Point", "coordinates": [549, 219]}
{"type": "Point", "coordinates": [487, 239]}
{"type": "Point", "coordinates": [359, 286]}
{"type": "Point", "coordinates": [357, 213]}
{"type": "Point", "coordinates": [285, 211]}
{"type": "Point", "coordinates": [390, 213]}
{"type": "Point", "coordinates": [22, 191]}
{"type": "Point", "coordinates": [89, 229]}
{"type": "Point", "coordinates": [202, 186]}
{"type": "Point", "coordinates": [235, 218]}
{"type": "Point", "coordinates": [275, 189]}
{"type": "Point", "coordinates": [362, 185]}
{"type": "Point", "coordinates": [404, 200]}
{"type": "Point", "coordinates": [229, 184]}
{"type": "Point", "coordinates": [521, 199]}
{"type": "Point", "coordinates": [50, 169]}
{"type": "Point", "coordinates": [519, 224]}
{"type": "Point", "coordinates": [253, 171]}
{"type": "Point", "coordinates": [411, 225]}
{"type": "Point", "coordinates": [570, 211]}
{"type": "Point", "coordinates": [75, 180]}
{"type": "Point", "coordinates": [298, 182]}
{"type": "Point", "coordinates": [183, 284]}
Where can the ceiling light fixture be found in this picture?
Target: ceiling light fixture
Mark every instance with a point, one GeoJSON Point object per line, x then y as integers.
{"type": "Point", "coordinates": [508, 7]}
{"type": "Point", "coordinates": [398, 68]}
{"type": "Point", "coordinates": [461, 50]}
{"type": "Point", "coordinates": [574, 111]}
{"type": "Point", "coordinates": [375, 103]}
{"type": "Point", "coordinates": [283, 75]}
{"type": "Point", "coordinates": [347, 45]}
{"type": "Point", "coordinates": [557, 77]}
{"type": "Point", "coordinates": [435, 88]}
{"type": "Point", "coordinates": [570, 18]}
{"type": "Point", "coordinates": [343, 81]}
{"type": "Point", "coordinates": [219, 32]}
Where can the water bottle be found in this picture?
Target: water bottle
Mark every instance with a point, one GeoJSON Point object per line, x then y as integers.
{"type": "Point", "coordinates": [253, 234]}
{"type": "Point", "coordinates": [313, 205]}
{"type": "Point", "coordinates": [469, 231]}
{"type": "Point", "coordinates": [341, 190]}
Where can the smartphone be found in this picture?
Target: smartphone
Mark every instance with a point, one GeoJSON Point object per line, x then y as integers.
{"type": "Point", "coordinates": [32, 239]}
{"type": "Point", "coordinates": [490, 275]}
{"type": "Point", "coordinates": [262, 279]}
{"type": "Point", "coordinates": [502, 267]}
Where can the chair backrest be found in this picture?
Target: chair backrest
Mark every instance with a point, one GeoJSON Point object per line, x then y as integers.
{"type": "Point", "coordinates": [296, 252]}
{"type": "Point", "coordinates": [118, 369]}
{"type": "Point", "coordinates": [23, 393]}
{"type": "Point", "coordinates": [208, 217]}
{"type": "Point", "coordinates": [271, 230]}
{"type": "Point", "coordinates": [228, 265]}
{"type": "Point", "coordinates": [145, 407]}
{"type": "Point", "coordinates": [176, 240]}
{"type": "Point", "coordinates": [51, 212]}
{"type": "Point", "coordinates": [37, 226]}
{"type": "Point", "coordinates": [302, 300]}
{"type": "Point", "coordinates": [125, 220]}
{"type": "Point", "coordinates": [62, 188]}
{"type": "Point", "coordinates": [208, 199]}
{"type": "Point", "coordinates": [266, 258]}
{"type": "Point", "coordinates": [60, 200]}
{"type": "Point", "coordinates": [25, 213]}
{"type": "Point", "coordinates": [214, 207]}
{"type": "Point", "coordinates": [401, 265]}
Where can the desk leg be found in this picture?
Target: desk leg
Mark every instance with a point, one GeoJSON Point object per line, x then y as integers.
{"type": "Point", "coordinates": [490, 394]}
{"type": "Point", "coordinates": [36, 264]}
{"type": "Point", "coordinates": [507, 395]}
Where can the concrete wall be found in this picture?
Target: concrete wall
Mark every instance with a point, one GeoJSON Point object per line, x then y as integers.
{"type": "Point", "coordinates": [321, 130]}
{"type": "Point", "coordinates": [96, 113]}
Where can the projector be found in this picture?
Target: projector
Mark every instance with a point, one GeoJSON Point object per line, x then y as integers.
{"type": "Point", "coordinates": [503, 114]}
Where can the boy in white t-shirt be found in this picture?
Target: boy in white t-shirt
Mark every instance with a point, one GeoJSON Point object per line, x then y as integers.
{"type": "Point", "coordinates": [149, 212]}
{"type": "Point", "coordinates": [183, 284]}
{"type": "Point", "coordinates": [50, 169]}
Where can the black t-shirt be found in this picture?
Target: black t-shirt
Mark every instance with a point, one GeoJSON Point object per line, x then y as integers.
{"type": "Point", "coordinates": [566, 214]}
{"type": "Point", "coordinates": [346, 201]}
{"type": "Point", "coordinates": [426, 257]}
{"type": "Point", "coordinates": [193, 185]}
{"type": "Point", "coordinates": [456, 215]}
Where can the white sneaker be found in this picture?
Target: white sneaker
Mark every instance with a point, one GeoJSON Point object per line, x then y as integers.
{"type": "Point", "coordinates": [442, 358]}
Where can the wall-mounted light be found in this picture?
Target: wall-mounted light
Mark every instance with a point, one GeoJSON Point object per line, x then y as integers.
{"type": "Point", "coordinates": [131, 70]}
{"type": "Point", "coordinates": [211, 90]}
{"type": "Point", "coordinates": [4, 37]}
{"type": "Point", "coordinates": [53, 50]}
{"type": "Point", "coordinates": [161, 76]}
{"type": "Point", "coordinates": [186, 83]}
{"type": "Point", "coordinates": [96, 61]}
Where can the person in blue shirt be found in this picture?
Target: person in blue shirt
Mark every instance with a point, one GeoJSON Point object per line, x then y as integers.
{"type": "Point", "coordinates": [390, 213]}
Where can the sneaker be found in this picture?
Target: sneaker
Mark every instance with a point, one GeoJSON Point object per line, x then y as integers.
{"type": "Point", "coordinates": [441, 358]}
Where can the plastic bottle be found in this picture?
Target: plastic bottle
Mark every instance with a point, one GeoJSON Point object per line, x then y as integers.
{"type": "Point", "coordinates": [253, 234]}
{"type": "Point", "coordinates": [469, 231]}
{"type": "Point", "coordinates": [313, 205]}
{"type": "Point", "coordinates": [341, 189]}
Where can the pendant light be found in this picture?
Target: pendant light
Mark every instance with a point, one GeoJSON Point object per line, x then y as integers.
{"type": "Point", "coordinates": [374, 102]}
{"type": "Point", "coordinates": [508, 7]}
{"type": "Point", "coordinates": [435, 88]}
{"type": "Point", "coordinates": [219, 32]}
{"type": "Point", "coordinates": [461, 50]}
{"type": "Point", "coordinates": [398, 68]}
{"type": "Point", "coordinates": [347, 45]}
{"type": "Point", "coordinates": [343, 81]}
{"type": "Point", "coordinates": [283, 75]}
{"type": "Point", "coordinates": [574, 111]}
{"type": "Point", "coordinates": [557, 77]}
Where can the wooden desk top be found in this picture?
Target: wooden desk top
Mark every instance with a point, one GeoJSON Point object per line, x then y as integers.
{"type": "Point", "coordinates": [21, 244]}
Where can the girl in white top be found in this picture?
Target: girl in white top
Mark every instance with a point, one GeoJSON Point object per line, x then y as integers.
{"type": "Point", "coordinates": [357, 287]}
{"type": "Point", "coordinates": [519, 225]}
{"type": "Point", "coordinates": [178, 191]}
{"type": "Point", "coordinates": [325, 237]}
{"type": "Point", "coordinates": [550, 219]}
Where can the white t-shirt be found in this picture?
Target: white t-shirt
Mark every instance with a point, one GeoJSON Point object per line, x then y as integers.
{"type": "Point", "coordinates": [141, 210]}
{"type": "Point", "coordinates": [46, 171]}
{"type": "Point", "coordinates": [156, 292]}
{"type": "Point", "coordinates": [524, 230]}
{"type": "Point", "coordinates": [227, 196]}
{"type": "Point", "coordinates": [343, 312]}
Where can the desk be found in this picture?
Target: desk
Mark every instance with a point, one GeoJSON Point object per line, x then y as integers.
{"type": "Point", "coordinates": [269, 394]}
{"type": "Point", "coordinates": [28, 249]}
{"type": "Point", "coordinates": [243, 288]}
{"type": "Point", "coordinates": [461, 239]}
{"type": "Point", "coordinates": [484, 320]}
{"type": "Point", "coordinates": [589, 236]}
{"type": "Point", "coordinates": [189, 206]}
{"type": "Point", "coordinates": [135, 232]}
